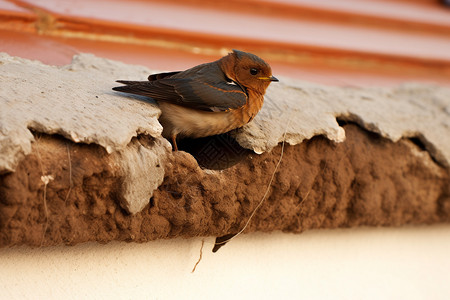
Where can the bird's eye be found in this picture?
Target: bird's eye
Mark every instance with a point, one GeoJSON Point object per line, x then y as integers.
{"type": "Point", "coordinates": [254, 71]}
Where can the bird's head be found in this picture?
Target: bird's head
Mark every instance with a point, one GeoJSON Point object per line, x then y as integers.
{"type": "Point", "coordinates": [248, 70]}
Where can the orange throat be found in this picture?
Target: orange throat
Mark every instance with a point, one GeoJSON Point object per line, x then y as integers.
{"type": "Point", "coordinates": [252, 107]}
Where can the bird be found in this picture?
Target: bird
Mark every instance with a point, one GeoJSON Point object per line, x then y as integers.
{"type": "Point", "coordinates": [208, 99]}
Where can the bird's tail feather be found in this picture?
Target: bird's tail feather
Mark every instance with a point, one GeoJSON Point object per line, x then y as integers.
{"type": "Point", "coordinates": [124, 88]}
{"type": "Point", "coordinates": [127, 82]}
{"type": "Point", "coordinates": [131, 87]}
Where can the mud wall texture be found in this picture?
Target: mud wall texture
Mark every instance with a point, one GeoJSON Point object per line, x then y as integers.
{"type": "Point", "coordinates": [91, 165]}
{"type": "Point", "coordinates": [366, 180]}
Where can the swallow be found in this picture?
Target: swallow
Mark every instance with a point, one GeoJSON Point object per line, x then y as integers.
{"type": "Point", "coordinates": [208, 99]}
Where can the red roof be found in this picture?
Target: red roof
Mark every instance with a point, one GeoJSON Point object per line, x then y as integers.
{"type": "Point", "coordinates": [346, 42]}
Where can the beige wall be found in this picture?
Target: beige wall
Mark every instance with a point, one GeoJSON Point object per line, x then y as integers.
{"type": "Point", "coordinates": [381, 263]}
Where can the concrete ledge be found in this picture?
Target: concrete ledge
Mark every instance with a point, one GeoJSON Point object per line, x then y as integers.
{"type": "Point", "coordinates": [79, 168]}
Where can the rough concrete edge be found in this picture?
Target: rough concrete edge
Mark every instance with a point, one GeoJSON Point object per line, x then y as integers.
{"type": "Point", "coordinates": [16, 137]}
{"type": "Point", "coordinates": [142, 171]}
{"type": "Point", "coordinates": [435, 153]}
{"type": "Point", "coordinates": [344, 104]}
{"type": "Point", "coordinates": [15, 146]}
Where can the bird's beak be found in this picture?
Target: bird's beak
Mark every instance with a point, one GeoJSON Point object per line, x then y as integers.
{"type": "Point", "coordinates": [271, 78]}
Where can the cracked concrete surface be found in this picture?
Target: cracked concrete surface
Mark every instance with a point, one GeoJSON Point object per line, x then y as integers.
{"type": "Point", "coordinates": [76, 102]}
{"type": "Point", "coordinates": [305, 110]}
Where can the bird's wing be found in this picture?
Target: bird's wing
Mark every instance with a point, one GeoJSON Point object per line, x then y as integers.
{"type": "Point", "coordinates": [189, 93]}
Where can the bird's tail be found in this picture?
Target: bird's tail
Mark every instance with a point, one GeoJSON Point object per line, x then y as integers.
{"type": "Point", "coordinates": [127, 82]}
{"type": "Point", "coordinates": [129, 87]}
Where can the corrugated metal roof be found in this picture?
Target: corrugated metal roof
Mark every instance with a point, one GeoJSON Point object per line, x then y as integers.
{"type": "Point", "coordinates": [345, 42]}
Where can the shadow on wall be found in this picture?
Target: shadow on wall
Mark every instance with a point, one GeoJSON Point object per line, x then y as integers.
{"type": "Point", "coordinates": [215, 152]}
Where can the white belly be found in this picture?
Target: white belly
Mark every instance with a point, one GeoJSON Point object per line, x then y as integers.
{"type": "Point", "coordinates": [183, 121]}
